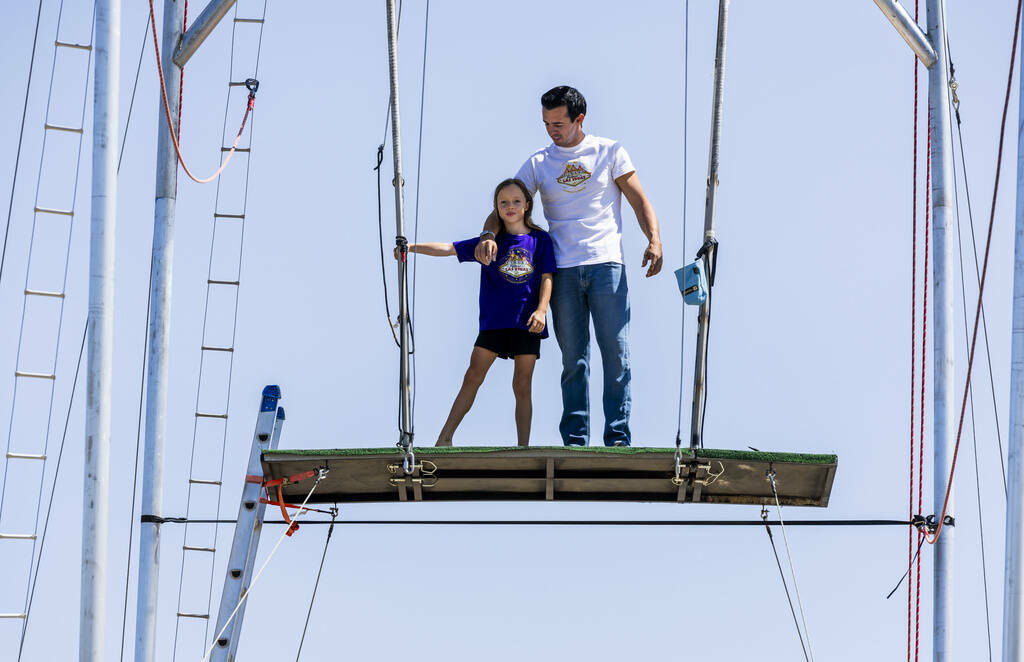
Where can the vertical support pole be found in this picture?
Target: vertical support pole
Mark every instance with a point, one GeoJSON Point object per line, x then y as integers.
{"type": "Point", "coordinates": [405, 401]}
{"type": "Point", "coordinates": [704, 313]}
{"type": "Point", "coordinates": [249, 513]}
{"type": "Point", "coordinates": [95, 504]}
{"type": "Point", "coordinates": [158, 342]}
{"type": "Point", "coordinates": [1013, 596]}
{"type": "Point", "coordinates": [254, 544]}
{"type": "Point", "coordinates": [942, 193]}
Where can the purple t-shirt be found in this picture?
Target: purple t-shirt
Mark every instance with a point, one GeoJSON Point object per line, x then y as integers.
{"type": "Point", "coordinates": [510, 285]}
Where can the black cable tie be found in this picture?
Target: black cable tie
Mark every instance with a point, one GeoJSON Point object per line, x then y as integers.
{"type": "Point", "coordinates": [380, 156]}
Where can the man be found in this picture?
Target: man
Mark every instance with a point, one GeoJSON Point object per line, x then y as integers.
{"type": "Point", "coordinates": [580, 179]}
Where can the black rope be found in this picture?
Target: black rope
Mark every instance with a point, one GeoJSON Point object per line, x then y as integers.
{"type": "Point", "coordinates": [977, 271]}
{"type": "Point", "coordinates": [21, 135]}
{"type": "Point", "coordinates": [905, 574]}
{"type": "Point", "coordinates": [497, 522]}
{"type": "Point", "coordinates": [380, 234]}
{"type": "Point", "coordinates": [682, 326]}
{"type": "Point", "coordinates": [785, 586]}
{"type": "Point", "coordinates": [316, 585]}
{"type": "Point", "coordinates": [142, 379]}
{"type": "Point", "coordinates": [970, 389]}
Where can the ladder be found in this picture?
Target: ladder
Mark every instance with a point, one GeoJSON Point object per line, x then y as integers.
{"type": "Point", "coordinates": [242, 559]}
{"type": "Point", "coordinates": [217, 350]}
{"type": "Point", "coordinates": [42, 314]}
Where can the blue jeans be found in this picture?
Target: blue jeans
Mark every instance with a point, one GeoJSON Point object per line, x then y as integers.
{"type": "Point", "coordinates": [597, 290]}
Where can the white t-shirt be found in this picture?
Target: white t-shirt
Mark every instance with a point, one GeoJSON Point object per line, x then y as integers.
{"type": "Point", "coordinates": [582, 203]}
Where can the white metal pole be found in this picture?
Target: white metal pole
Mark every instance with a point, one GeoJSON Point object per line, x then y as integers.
{"type": "Point", "coordinates": [1013, 596]}
{"type": "Point", "coordinates": [405, 406]}
{"type": "Point", "coordinates": [159, 336]}
{"type": "Point", "coordinates": [96, 501]}
{"type": "Point", "coordinates": [942, 193]}
{"type": "Point", "coordinates": [704, 312]}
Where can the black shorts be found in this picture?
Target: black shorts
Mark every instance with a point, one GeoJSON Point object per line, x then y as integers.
{"type": "Point", "coordinates": [507, 343]}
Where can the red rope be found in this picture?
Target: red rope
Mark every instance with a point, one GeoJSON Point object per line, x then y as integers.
{"type": "Point", "coordinates": [170, 122]}
{"type": "Point", "coordinates": [924, 363]}
{"type": "Point", "coordinates": [913, 361]}
{"type": "Point", "coordinates": [181, 80]}
{"type": "Point", "coordinates": [981, 287]}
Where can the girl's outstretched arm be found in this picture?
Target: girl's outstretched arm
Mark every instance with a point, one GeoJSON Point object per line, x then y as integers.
{"type": "Point", "coordinates": [432, 248]}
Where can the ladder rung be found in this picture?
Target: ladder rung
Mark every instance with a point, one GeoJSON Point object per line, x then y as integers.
{"type": "Point", "coordinates": [12, 615]}
{"type": "Point", "coordinates": [202, 415]}
{"type": "Point", "coordinates": [182, 615]}
{"type": "Point", "coordinates": [17, 536]}
{"type": "Point", "coordinates": [217, 349]}
{"type": "Point", "coordinates": [189, 548]}
{"type": "Point", "coordinates": [219, 215]}
{"type": "Point", "coordinates": [25, 456]}
{"type": "Point", "coordinates": [41, 293]}
{"type": "Point", "coordinates": [244, 150]}
{"type": "Point", "coordinates": [36, 375]}
{"type": "Point", "coordinates": [60, 212]}
{"type": "Point", "coordinates": [248, 20]}
{"type": "Point", "coordinates": [236, 84]}
{"type": "Point", "coordinates": [83, 47]}
{"type": "Point", "coordinates": [223, 282]}
{"type": "Point", "coordinates": [200, 481]}
{"type": "Point", "coordinates": [56, 127]}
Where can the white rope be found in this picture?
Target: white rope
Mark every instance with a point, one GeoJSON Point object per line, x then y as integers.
{"type": "Point", "coordinates": [792, 568]}
{"type": "Point", "coordinates": [302, 510]}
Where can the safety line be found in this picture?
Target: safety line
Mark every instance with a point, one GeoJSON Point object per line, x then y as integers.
{"type": "Point", "coordinates": [545, 522]}
{"type": "Point", "coordinates": [416, 216]}
{"type": "Point", "coordinates": [682, 324]}
{"type": "Point", "coordinates": [963, 298]}
{"type": "Point", "coordinates": [316, 585]}
{"type": "Point", "coordinates": [981, 288]}
{"type": "Point", "coordinates": [792, 567]}
{"type": "Point", "coordinates": [135, 87]}
{"type": "Point", "coordinates": [782, 576]}
{"type": "Point", "coordinates": [977, 273]}
{"type": "Point", "coordinates": [170, 123]}
{"type": "Point", "coordinates": [248, 591]}
{"type": "Point", "coordinates": [21, 136]}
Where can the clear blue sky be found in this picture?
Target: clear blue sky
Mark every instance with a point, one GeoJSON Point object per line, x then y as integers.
{"type": "Point", "coordinates": [809, 349]}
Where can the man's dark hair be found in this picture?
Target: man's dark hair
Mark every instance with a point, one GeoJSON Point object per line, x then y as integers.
{"type": "Point", "coordinates": [563, 95]}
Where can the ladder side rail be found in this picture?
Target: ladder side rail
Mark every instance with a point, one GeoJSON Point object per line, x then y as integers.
{"type": "Point", "coordinates": [254, 542]}
{"type": "Point", "coordinates": [247, 517]}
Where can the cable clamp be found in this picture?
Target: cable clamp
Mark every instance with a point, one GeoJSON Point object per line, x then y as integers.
{"type": "Point", "coordinates": [252, 85]}
{"type": "Point", "coordinates": [711, 477]}
{"type": "Point", "coordinates": [931, 523]}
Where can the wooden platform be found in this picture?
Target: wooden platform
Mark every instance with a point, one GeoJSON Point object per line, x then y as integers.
{"type": "Point", "coordinates": [473, 473]}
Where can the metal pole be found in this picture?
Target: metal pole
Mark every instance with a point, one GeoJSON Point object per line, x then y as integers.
{"type": "Point", "coordinates": [909, 30]}
{"type": "Point", "coordinates": [159, 328]}
{"type": "Point", "coordinates": [942, 193]}
{"type": "Point", "coordinates": [405, 438]}
{"type": "Point", "coordinates": [704, 314]}
{"type": "Point", "coordinates": [200, 29]}
{"type": "Point", "coordinates": [1013, 596]}
{"type": "Point", "coordinates": [95, 504]}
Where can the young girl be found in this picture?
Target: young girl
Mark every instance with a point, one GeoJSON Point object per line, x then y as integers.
{"type": "Point", "coordinates": [514, 293]}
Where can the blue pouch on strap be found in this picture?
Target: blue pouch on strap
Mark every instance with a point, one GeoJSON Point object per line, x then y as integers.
{"type": "Point", "coordinates": [693, 283]}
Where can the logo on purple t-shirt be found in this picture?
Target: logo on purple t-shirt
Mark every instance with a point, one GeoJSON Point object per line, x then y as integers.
{"type": "Point", "coordinates": [510, 285]}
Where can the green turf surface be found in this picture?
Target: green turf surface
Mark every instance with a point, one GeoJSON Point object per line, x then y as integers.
{"type": "Point", "coordinates": [709, 453]}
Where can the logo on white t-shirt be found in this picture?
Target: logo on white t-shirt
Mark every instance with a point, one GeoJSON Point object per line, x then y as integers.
{"type": "Point", "coordinates": [517, 266]}
{"type": "Point", "coordinates": [573, 176]}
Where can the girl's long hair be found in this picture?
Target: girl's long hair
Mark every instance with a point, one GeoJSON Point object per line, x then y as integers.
{"type": "Point", "coordinates": [512, 181]}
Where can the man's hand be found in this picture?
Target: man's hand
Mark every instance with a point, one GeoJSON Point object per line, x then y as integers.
{"type": "Point", "coordinates": [486, 251]}
{"type": "Point", "coordinates": [537, 321]}
{"type": "Point", "coordinates": [653, 256]}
